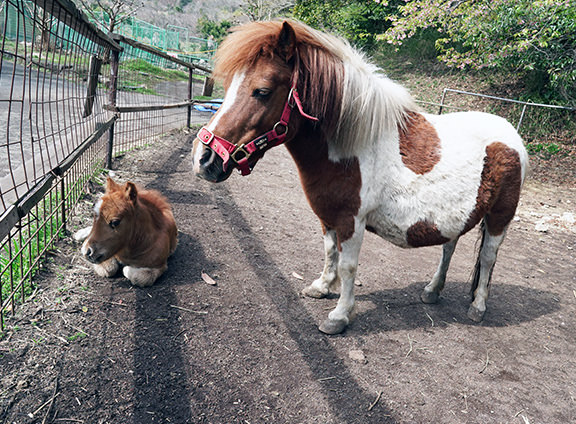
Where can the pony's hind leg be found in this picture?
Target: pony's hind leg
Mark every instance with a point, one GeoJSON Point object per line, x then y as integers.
{"type": "Point", "coordinates": [431, 292]}
{"type": "Point", "coordinates": [483, 272]}
{"type": "Point", "coordinates": [321, 287]}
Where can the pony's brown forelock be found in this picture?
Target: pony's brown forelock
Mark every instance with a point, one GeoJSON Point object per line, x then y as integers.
{"type": "Point", "coordinates": [320, 70]}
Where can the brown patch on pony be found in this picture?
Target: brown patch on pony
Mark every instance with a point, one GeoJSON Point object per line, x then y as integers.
{"type": "Point", "coordinates": [319, 70]}
{"type": "Point", "coordinates": [332, 188]}
{"type": "Point", "coordinates": [499, 189]}
{"type": "Point", "coordinates": [419, 144]}
{"type": "Point", "coordinates": [424, 233]}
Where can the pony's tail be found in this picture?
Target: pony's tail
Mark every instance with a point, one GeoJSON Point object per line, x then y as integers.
{"type": "Point", "coordinates": [476, 276]}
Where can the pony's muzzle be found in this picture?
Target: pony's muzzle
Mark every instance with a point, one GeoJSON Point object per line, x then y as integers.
{"type": "Point", "coordinates": [209, 166]}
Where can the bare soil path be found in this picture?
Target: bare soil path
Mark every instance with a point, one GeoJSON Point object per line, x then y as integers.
{"type": "Point", "coordinates": [247, 350]}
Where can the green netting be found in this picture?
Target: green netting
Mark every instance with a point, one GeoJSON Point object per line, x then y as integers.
{"type": "Point", "coordinates": [17, 24]}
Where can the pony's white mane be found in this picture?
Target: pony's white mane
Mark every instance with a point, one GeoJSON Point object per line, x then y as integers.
{"type": "Point", "coordinates": [372, 104]}
{"type": "Point", "coordinates": [331, 75]}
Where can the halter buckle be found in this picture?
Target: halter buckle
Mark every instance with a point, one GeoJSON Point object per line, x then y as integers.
{"type": "Point", "coordinates": [205, 136]}
{"type": "Point", "coordinates": [244, 154]}
{"type": "Point", "coordinates": [282, 125]}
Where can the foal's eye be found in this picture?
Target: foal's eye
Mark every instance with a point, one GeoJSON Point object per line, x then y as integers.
{"type": "Point", "coordinates": [261, 93]}
{"type": "Point", "coordinates": [114, 223]}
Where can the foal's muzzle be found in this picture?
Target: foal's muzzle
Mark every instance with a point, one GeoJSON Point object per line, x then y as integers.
{"type": "Point", "coordinates": [92, 254]}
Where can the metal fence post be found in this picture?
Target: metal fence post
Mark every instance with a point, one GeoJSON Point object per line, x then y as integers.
{"type": "Point", "coordinates": [442, 102]}
{"type": "Point", "coordinates": [190, 85]}
{"type": "Point", "coordinates": [521, 117]}
{"type": "Point", "coordinates": [63, 202]}
{"type": "Point", "coordinates": [112, 91]}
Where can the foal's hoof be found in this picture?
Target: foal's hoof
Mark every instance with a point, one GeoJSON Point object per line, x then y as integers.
{"type": "Point", "coordinates": [333, 326]}
{"type": "Point", "coordinates": [312, 291]}
{"type": "Point", "coordinates": [429, 297]}
{"type": "Point", "coordinates": [475, 314]}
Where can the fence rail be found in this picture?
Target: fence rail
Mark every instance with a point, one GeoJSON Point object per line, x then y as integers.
{"type": "Point", "coordinates": [557, 123]}
{"type": "Point", "coordinates": [71, 98]}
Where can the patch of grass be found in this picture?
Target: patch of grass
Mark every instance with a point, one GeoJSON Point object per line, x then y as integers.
{"type": "Point", "coordinates": [544, 150]}
{"type": "Point", "coordinates": [414, 65]}
{"type": "Point", "coordinates": [79, 335]}
{"type": "Point", "coordinates": [21, 255]}
{"type": "Point", "coordinates": [143, 67]}
{"type": "Point", "coordinates": [140, 76]}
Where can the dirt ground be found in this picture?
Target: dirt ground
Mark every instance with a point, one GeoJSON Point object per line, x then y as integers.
{"type": "Point", "coordinates": [247, 350]}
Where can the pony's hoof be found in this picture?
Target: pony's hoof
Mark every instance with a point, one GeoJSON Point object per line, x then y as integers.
{"type": "Point", "coordinates": [429, 297]}
{"type": "Point", "coordinates": [312, 291]}
{"type": "Point", "coordinates": [333, 326]}
{"type": "Point", "coordinates": [475, 314]}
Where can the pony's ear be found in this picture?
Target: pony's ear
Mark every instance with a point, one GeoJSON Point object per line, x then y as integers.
{"type": "Point", "coordinates": [131, 192]}
{"type": "Point", "coordinates": [111, 185]}
{"type": "Point", "coordinates": [286, 41]}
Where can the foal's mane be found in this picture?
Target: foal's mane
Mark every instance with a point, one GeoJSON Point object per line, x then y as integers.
{"type": "Point", "coordinates": [354, 103]}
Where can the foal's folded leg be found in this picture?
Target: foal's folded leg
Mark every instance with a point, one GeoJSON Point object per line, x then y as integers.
{"type": "Point", "coordinates": [143, 277]}
{"type": "Point", "coordinates": [108, 268]}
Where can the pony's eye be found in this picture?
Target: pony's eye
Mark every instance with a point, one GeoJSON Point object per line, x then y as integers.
{"type": "Point", "coordinates": [261, 93]}
{"type": "Point", "coordinates": [114, 223]}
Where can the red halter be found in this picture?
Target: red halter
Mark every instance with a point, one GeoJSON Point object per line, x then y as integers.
{"type": "Point", "coordinates": [241, 154]}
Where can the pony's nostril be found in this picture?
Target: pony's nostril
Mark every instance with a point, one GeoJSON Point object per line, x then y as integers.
{"type": "Point", "coordinates": [89, 252]}
{"type": "Point", "coordinates": [207, 156]}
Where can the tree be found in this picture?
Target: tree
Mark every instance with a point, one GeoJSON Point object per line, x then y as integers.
{"type": "Point", "coordinates": [359, 21]}
{"type": "Point", "coordinates": [259, 10]}
{"type": "Point", "coordinates": [535, 39]}
{"type": "Point", "coordinates": [213, 30]}
{"type": "Point", "coordinates": [118, 11]}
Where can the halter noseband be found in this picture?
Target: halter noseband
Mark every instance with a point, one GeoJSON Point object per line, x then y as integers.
{"type": "Point", "coordinates": [241, 155]}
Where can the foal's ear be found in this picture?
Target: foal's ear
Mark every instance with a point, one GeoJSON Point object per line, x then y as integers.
{"type": "Point", "coordinates": [286, 41]}
{"type": "Point", "coordinates": [131, 192]}
{"type": "Point", "coordinates": [111, 185]}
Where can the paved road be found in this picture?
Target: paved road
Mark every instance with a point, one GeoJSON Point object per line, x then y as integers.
{"type": "Point", "coordinates": [42, 112]}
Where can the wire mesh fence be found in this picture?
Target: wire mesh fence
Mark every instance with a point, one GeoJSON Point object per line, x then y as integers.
{"type": "Point", "coordinates": [535, 122]}
{"type": "Point", "coordinates": [70, 98]}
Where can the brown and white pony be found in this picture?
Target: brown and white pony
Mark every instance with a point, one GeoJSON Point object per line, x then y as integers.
{"type": "Point", "coordinates": [367, 157]}
{"type": "Point", "coordinates": [133, 228]}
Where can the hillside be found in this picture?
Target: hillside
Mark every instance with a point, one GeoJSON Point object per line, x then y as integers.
{"type": "Point", "coordinates": [185, 13]}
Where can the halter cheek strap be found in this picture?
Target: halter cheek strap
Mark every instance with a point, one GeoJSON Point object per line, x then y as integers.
{"type": "Point", "coordinates": [242, 156]}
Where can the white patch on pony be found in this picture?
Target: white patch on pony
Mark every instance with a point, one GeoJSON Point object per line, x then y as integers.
{"type": "Point", "coordinates": [229, 99]}
{"type": "Point", "coordinates": [372, 104]}
{"type": "Point", "coordinates": [397, 198]}
{"type": "Point", "coordinates": [97, 207]}
{"type": "Point", "coordinates": [227, 105]}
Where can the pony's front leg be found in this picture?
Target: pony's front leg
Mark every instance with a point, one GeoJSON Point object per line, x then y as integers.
{"type": "Point", "coordinates": [341, 316]}
{"type": "Point", "coordinates": [321, 287]}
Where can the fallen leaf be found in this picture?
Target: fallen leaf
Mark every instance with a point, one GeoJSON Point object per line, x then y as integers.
{"type": "Point", "coordinates": [207, 279]}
